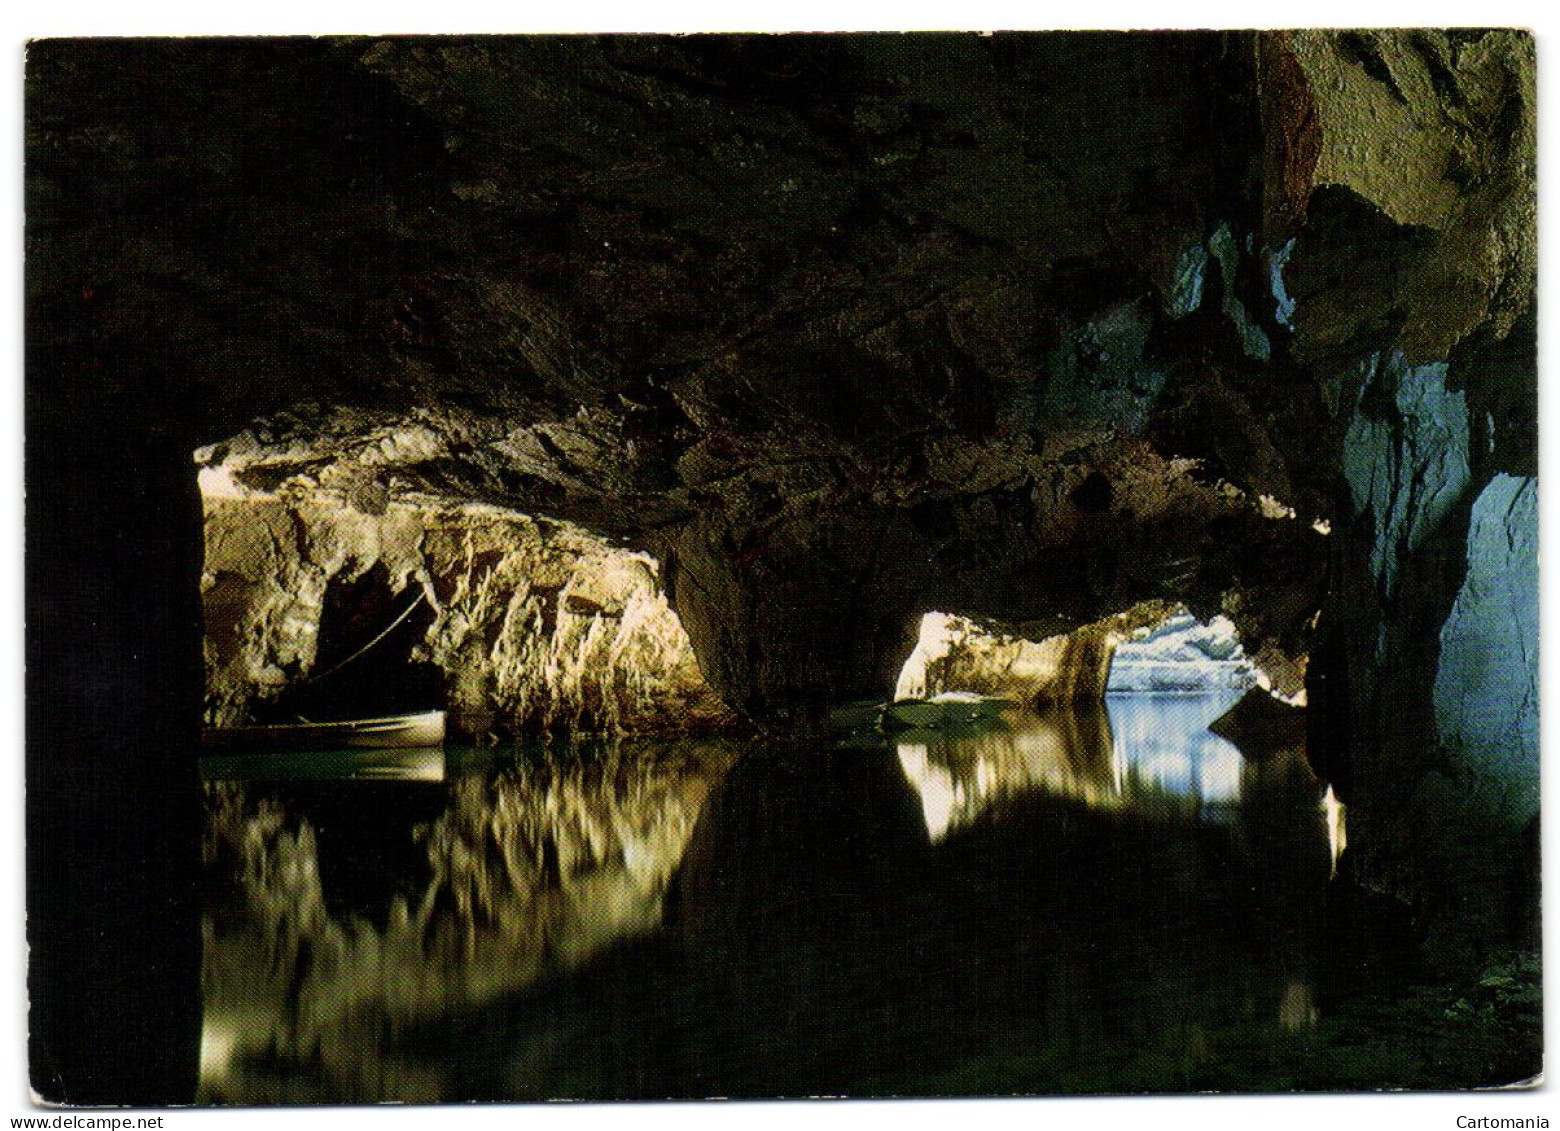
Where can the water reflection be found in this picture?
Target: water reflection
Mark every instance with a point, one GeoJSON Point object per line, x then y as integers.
{"type": "Point", "coordinates": [1147, 752]}
{"type": "Point", "coordinates": [959, 774]}
{"type": "Point", "coordinates": [405, 764]}
{"type": "Point", "coordinates": [1071, 902]}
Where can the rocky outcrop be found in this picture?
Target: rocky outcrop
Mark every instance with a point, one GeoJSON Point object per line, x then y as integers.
{"type": "Point", "coordinates": [525, 624]}
{"type": "Point", "coordinates": [1486, 686]}
{"type": "Point", "coordinates": [1437, 129]}
{"type": "Point", "coordinates": [1411, 279]}
{"type": "Point", "coordinates": [821, 601]}
{"type": "Point", "coordinates": [1260, 723]}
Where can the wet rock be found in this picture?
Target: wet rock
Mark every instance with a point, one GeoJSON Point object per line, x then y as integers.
{"type": "Point", "coordinates": [1261, 723]}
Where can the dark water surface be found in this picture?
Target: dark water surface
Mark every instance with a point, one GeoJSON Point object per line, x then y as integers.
{"type": "Point", "coordinates": [1089, 900]}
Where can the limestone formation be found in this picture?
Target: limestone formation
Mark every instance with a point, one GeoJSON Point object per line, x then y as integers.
{"type": "Point", "coordinates": [798, 338]}
{"type": "Point", "coordinates": [532, 625]}
{"type": "Point", "coordinates": [956, 654]}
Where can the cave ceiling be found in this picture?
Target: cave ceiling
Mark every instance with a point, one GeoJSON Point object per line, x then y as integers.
{"type": "Point", "coordinates": [1027, 326]}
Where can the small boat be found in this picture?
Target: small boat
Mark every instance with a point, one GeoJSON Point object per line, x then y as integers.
{"type": "Point", "coordinates": [950, 708]}
{"type": "Point", "coordinates": [393, 731]}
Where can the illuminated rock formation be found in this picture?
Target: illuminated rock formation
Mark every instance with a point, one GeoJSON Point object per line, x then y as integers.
{"type": "Point", "coordinates": [529, 624]}
{"type": "Point", "coordinates": [957, 654]}
{"type": "Point", "coordinates": [513, 876]}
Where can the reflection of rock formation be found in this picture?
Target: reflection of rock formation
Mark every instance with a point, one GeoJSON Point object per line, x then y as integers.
{"type": "Point", "coordinates": [807, 829]}
{"type": "Point", "coordinates": [527, 623]}
{"type": "Point", "coordinates": [1045, 938]}
{"type": "Point", "coordinates": [1260, 721]}
{"type": "Point", "coordinates": [818, 941]}
{"type": "Point", "coordinates": [1164, 750]}
{"type": "Point", "coordinates": [523, 874]}
{"type": "Point", "coordinates": [790, 902]}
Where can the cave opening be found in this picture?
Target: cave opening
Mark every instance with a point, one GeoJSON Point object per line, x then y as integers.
{"type": "Point", "coordinates": [1149, 708]}
{"type": "Point", "coordinates": [1182, 655]}
{"type": "Point", "coordinates": [369, 656]}
{"type": "Point", "coordinates": [325, 601]}
{"type": "Point", "coordinates": [1154, 647]}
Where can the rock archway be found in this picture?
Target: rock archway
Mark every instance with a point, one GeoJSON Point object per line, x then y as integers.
{"type": "Point", "coordinates": [836, 329]}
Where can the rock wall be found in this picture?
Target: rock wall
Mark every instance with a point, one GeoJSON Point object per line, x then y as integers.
{"type": "Point", "coordinates": [1427, 722]}
{"type": "Point", "coordinates": [513, 877]}
{"type": "Point", "coordinates": [1411, 277]}
{"type": "Point", "coordinates": [531, 624]}
{"type": "Point", "coordinates": [113, 700]}
{"type": "Point", "coordinates": [1437, 129]}
{"type": "Point", "coordinates": [1397, 566]}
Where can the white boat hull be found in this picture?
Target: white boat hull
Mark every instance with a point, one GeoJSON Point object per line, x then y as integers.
{"type": "Point", "coordinates": [392, 732]}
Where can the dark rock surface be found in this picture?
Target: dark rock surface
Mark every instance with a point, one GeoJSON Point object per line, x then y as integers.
{"type": "Point", "coordinates": [868, 314]}
{"type": "Point", "coordinates": [1260, 724]}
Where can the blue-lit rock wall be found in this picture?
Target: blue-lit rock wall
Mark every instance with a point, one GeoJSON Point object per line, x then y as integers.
{"type": "Point", "coordinates": [1486, 690]}
{"type": "Point", "coordinates": [1398, 563]}
{"type": "Point", "coordinates": [1406, 460]}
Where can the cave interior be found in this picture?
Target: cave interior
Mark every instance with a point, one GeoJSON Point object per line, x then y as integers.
{"type": "Point", "coordinates": [666, 385]}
